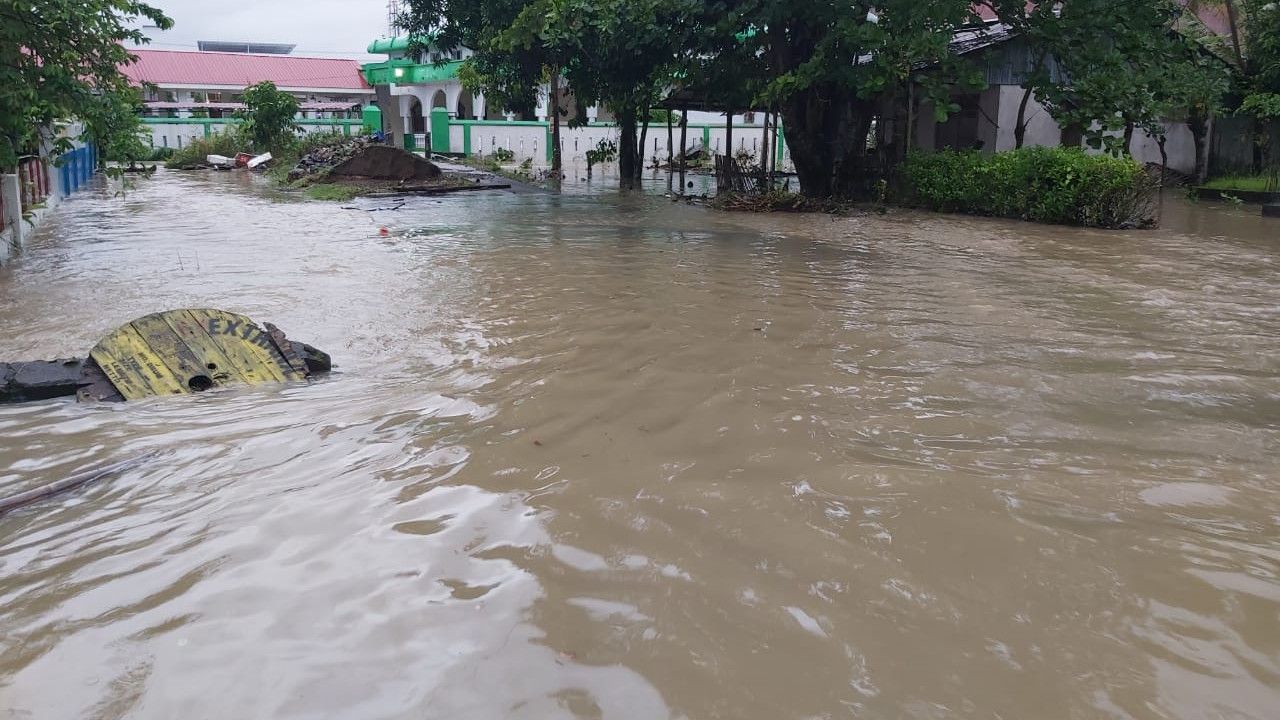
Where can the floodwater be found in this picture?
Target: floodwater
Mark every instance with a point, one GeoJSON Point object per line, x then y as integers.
{"type": "Point", "coordinates": [593, 456]}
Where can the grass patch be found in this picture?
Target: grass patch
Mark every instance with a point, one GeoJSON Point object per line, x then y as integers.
{"type": "Point", "coordinates": [331, 191]}
{"type": "Point", "coordinates": [1249, 183]}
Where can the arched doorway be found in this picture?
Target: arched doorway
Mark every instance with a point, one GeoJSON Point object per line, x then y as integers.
{"type": "Point", "coordinates": [464, 106]}
{"type": "Point", "coordinates": [418, 122]}
{"type": "Point", "coordinates": [439, 101]}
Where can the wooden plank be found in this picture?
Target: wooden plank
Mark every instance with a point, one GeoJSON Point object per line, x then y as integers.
{"type": "Point", "coordinates": [247, 346]}
{"type": "Point", "coordinates": [172, 349]}
{"type": "Point", "coordinates": [199, 342]}
{"type": "Point", "coordinates": [133, 368]}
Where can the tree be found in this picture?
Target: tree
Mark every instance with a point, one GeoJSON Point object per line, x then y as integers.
{"type": "Point", "coordinates": [1106, 68]}
{"type": "Point", "coordinates": [113, 122]}
{"type": "Point", "coordinates": [1034, 25]}
{"type": "Point", "coordinates": [832, 68]}
{"type": "Point", "coordinates": [619, 53]}
{"type": "Point", "coordinates": [269, 116]}
{"type": "Point", "coordinates": [58, 59]}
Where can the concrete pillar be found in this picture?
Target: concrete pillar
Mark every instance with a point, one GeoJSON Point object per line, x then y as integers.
{"type": "Point", "coordinates": [11, 196]}
{"type": "Point", "coordinates": [477, 106]}
{"type": "Point", "coordinates": [593, 112]}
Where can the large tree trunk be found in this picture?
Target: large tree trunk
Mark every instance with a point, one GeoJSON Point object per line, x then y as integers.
{"type": "Point", "coordinates": [1128, 139]}
{"type": "Point", "coordinates": [728, 133]}
{"type": "Point", "coordinates": [640, 150]}
{"type": "Point", "coordinates": [1198, 123]}
{"type": "Point", "coordinates": [556, 167]}
{"type": "Point", "coordinates": [1020, 126]}
{"type": "Point", "coordinates": [827, 137]}
{"type": "Point", "coordinates": [627, 149]}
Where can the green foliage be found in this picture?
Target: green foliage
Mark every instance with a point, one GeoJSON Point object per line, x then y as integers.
{"type": "Point", "coordinates": [227, 142]}
{"type": "Point", "coordinates": [1121, 65]}
{"type": "Point", "coordinates": [503, 155]}
{"type": "Point", "coordinates": [604, 151]}
{"type": "Point", "coordinates": [1049, 185]}
{"type": "Point", "coordinates": [1262, 106]}
{"type": "Point", "coordinates": [113, 121]}
{"type": "Point", "coordinates": [269, 117]}
{"type": "Point", "coordinates": [60, 59]}
{"type": "Point", "coordinates": [659, 116]}
{"type": "Point", "coordinates": [618, 52]}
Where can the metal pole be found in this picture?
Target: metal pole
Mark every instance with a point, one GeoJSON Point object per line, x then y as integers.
{"type": "Point", "coordinates": [684, 156]}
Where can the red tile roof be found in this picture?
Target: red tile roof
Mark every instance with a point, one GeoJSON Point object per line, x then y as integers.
{"type": "Point", "coordinates": [212, 69]}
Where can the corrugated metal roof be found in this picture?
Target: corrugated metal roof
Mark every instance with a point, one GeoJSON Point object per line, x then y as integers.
{"type": "Point", "coordinates": [182, 67]}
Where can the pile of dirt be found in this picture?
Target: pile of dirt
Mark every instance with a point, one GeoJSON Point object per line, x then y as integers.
{"type": "Point", "coordinates": [363, 158]}
{"type": "Point", "coordinates": [383, 162]}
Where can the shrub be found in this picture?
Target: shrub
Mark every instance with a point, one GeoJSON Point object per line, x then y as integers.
{"type": "Point", "coordinates": [226, 142]}
{"type": "Point", "coordinates": [269, 117]}
{"type": "Point", "coordinates": [1049, 185]}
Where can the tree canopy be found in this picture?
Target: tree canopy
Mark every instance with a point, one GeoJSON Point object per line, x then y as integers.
{"type": "Point", "coordinates": [847, 76]}
{"type": "Point", "coordinates": [61, 59]}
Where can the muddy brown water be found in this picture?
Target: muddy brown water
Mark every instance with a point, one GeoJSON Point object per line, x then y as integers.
{"type": "Point", "coordinates": [601, 457]}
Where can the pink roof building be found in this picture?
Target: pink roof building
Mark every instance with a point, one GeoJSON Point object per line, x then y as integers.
{"type": "Point", "coordinates": [193, 70]}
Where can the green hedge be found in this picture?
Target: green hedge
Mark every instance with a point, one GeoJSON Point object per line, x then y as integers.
{"type": "Point", "coordinates": [1048, 185]}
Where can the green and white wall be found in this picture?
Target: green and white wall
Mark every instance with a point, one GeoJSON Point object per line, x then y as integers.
{"type": "Point", "coordinates": [179, 132]}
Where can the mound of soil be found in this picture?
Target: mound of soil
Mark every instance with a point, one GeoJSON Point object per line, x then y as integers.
{"type": "Point", "coordinates": [383, 162]}
{"type": "Point", "coordinates": [363, 158]}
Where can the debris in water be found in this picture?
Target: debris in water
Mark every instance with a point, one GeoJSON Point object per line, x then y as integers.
{"type": "Point", "coordinates": [258, 161]}
{"type": "Point", "coordinates": [171, 353]}
{"type": "Point", "coordinates": [22, 499]}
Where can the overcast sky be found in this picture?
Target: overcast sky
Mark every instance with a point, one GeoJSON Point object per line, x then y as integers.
{"type": "Point", "coordinates": [335, 28]}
